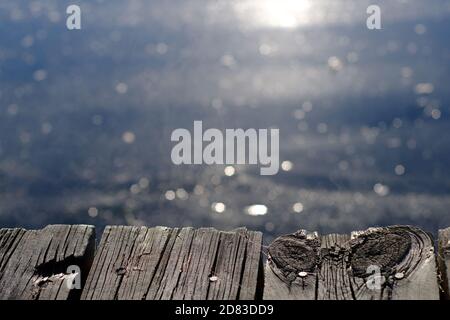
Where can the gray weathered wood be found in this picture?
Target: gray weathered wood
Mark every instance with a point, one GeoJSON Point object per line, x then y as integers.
{"type": "Point", "coordinates": [33, 263]}
{"type": "Point", "coordinates": [444, 261]}
{"type": "Point", "coordinates": [170, 263]}
{"type": "Point", "coordinates": [333, 282]}
{"type": "Point", "coordinates": [292, 267]}
{"type": "Point", "coordinates": [187, 263]}
{"type": "Point", "coordinates": [339, 267]}
{"type": "Point", "coordinates": [406, 257]}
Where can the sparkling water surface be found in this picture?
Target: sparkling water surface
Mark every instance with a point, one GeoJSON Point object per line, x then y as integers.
{"type": "Point", "coordinates": [86, 115]}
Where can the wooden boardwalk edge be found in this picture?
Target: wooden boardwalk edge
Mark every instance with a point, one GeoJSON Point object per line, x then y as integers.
{"type": "Point", "coordinates": [135, 263]}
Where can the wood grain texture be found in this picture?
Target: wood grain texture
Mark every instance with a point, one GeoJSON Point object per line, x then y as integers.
{"type": "Point", "coordinates": [136, 263]}
{"type": "Point", "coordinates": [405, 255]}
{"type": "Point", "coordinates": [305, 266]}
{"type": "Point", "coordinates": [289, 257]}
{"type": "Point", "coordinates": [444, 262]}
{"type": "Point", "coordinates": [333, 281]}
{"type": "Point", "coordinates": [33, 263]}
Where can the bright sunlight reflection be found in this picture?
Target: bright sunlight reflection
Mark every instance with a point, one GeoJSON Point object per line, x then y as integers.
{"type": "Point", "coordinates": [275, 13]}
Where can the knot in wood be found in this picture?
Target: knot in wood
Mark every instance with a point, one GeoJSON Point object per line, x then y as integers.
{"type": "Point", "coordinates": [294, 253]}
{"type": "Point", "coordinates": [384, 249]}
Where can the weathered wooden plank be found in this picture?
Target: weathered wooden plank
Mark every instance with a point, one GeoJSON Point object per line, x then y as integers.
{"type": "Point", "coordinates": [406, 258]}
{"type": "Point", "coordinates": [292, 267]}
{"type": "Point", "coordinates": [253, 273]}
{"type": "Point", "coordinates": [333, 282]}
{"type": "Point", "coordinates": [444, 262]}
{"type": "Point", "coordinates": [342, 266]}
{"type": "Point", "coordinates": [171, 263]}
{"type": "Point", "coordinates": [33, 263]}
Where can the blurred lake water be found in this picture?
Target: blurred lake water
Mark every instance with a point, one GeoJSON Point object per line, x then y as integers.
{"type": "Point", "coordinates": [86, 115]}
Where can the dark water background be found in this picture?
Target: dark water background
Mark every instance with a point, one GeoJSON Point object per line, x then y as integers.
{"type": "Point", "coordinates": [86, 116]}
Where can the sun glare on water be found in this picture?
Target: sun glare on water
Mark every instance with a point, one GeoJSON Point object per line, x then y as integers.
{"type": "Point", "coordinates": [274, 13]}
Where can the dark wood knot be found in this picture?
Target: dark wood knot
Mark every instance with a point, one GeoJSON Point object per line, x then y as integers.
{"type": "Point", "coordinates": [294, 253]}
{"type": "Point", "coordinates": [384, 249]}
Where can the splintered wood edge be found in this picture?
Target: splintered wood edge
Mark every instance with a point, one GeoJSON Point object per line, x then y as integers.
{"type": "Point", "coordinates": [49, 252]}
